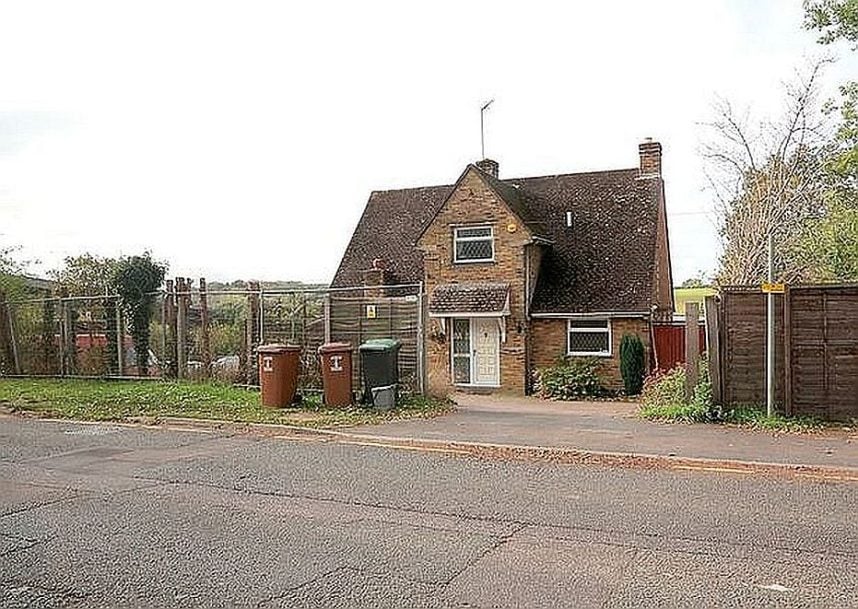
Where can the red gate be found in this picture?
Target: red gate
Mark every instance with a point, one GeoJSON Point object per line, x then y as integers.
{"type": "Point", "coordinates": [669, 340]}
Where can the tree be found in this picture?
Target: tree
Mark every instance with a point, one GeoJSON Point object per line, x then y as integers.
{"type": "Point", "coordinates": [698, 281]}
{"type": "Point", "coordinates": [91, 275]}
{"type": "Point", "coordinates": [11, 283]}
{"type": "Point", "coordinates": [768, 181]}
{"type": "Point", "coordinates": [829, 246]}
{"type": "Point", "coordinates": [87, 275]}
{"type": "Point", "coordinates": [835, 19]}
{"type": "Point", "coordinates": [136, 280]}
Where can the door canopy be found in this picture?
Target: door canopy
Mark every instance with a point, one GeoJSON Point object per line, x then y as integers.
{"type": "Point", "coordinates": [469, 300]}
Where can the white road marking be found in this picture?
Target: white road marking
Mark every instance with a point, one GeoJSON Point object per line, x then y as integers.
{"type": "Point", "coordinates": [776, 588]}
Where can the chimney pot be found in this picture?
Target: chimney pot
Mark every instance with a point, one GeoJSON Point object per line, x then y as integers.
{"type": "Point", "coordinates": [650, 153]}
{"type": "Point", "coordinates": [488, 166]}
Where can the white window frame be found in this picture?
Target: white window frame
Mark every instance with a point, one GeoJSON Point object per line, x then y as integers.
{"type": "Point", "coordinates": [457, 239]}
{"type": "Point", "coordinates": [607, 330]}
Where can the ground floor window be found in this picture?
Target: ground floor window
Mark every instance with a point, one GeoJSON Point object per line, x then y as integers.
{"type": "Point", "coordinates": [461, 351]}
{"type": "Point", "coordinates": [590, 337]}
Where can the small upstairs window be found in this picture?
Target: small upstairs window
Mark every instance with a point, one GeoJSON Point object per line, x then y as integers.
{"type": "Point", "coordinates": [474, 244]}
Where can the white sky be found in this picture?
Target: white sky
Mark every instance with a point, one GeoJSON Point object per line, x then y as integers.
{"type": "Point", "coordinates": [251, 134]}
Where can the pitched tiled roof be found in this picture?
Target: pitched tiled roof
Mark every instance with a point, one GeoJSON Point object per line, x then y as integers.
{"type": "Point", "coordinates": [449, 298]}
{"type": "Point", "coordinates": [512, 197]}
{"type": "Point", "coordinates": [604, 262]}
{"type": "Point", "coordinates": [388, 229]}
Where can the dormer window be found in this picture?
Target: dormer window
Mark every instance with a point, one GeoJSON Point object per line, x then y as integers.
{"type": "Point", "coordinates": [474, 244]}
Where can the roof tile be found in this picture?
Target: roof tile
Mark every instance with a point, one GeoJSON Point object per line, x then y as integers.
{"type": "Point", "coordinates": [604, 262]}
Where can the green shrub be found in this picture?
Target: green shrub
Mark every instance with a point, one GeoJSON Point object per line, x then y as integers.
{"type": "Point", "coordinates": [571, 378]}
{"type": "Point", "coordinates": [632, 363]}
{"type": "Point", "coordinates": [663, 397]}
{"type": "Point", "coordinates": [135, 280]}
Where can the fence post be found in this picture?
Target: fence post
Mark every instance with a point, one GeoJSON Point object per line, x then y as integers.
{"type": "Point", "coordinates": [421, 344]}
{"type": "Point", "coordinates": [713, 350]}
{"type": "Point", "coordinates": [7, 336]}
{"type": "Point", "coordinates": [181, 329]}
{"type": "Point", "coordinates": [67, 334]}
{"type": "Point", "coordinates": [327, 305]}
{"type": "Point", "coordinates": [252, 332]}
{"type": "Point", "coordinates": [205, 340]}
{"type": "Point", "coordinates": [170, 334]}
{"type": "Point", "coordinates": [692, 348]}
{"type": "Point", "coordinates": [49, 342]}
{"type": "Point", "coordinates": [120, 340]}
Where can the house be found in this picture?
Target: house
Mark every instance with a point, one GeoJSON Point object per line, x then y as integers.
{"type": "Point", "coordinates": [520, 272]}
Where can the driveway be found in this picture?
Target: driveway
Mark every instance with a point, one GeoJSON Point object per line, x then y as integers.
{"type": "Point", "coordinates": [615, 427]}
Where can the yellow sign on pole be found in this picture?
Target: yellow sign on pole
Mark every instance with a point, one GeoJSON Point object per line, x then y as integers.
{"type": "Point", "coordinates": [773, 288]}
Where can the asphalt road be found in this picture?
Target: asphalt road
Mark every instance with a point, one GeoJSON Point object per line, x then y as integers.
{"type": "Point", "coordinates": [106, 516]}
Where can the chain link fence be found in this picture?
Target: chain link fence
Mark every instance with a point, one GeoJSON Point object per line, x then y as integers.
{"type": "Point", "coordinates": [200, 334]}
{"type": "Point", "coordinates": [81, 336]}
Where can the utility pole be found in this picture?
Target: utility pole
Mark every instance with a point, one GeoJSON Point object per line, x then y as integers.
{"type": "Point", "coordinates": [770, 333]}
{"type": "Point", "coordinates": [483, 109]}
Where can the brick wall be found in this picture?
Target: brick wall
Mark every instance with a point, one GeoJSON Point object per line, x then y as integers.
{"type": "Point", "coordinates": [473, 202]}
{"type": "Point", "coordinates": [549, 343]}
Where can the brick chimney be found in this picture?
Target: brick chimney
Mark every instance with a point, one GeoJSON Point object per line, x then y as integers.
{"type": "Point", "coordinates": [375, 278]}
{"type": "Point", "coordinates": [650, 152]}
{"type": "Point", "coordinates": [488, 166]}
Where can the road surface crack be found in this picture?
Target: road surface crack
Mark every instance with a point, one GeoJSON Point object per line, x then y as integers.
{"type": "Point", "coordinates": [499, 541]}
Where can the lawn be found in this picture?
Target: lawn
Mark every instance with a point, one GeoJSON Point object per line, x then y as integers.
{"type": "Point", "coordinates": [94, 400]}
{"type": "Point", "coordinates": [683, 295]}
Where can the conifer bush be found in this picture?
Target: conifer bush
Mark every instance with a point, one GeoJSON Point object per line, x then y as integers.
{"type": "Point", "coordinates": [632, 364]}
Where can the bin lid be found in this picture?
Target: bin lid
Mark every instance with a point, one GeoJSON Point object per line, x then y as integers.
{"type": "Point", "coordinates": [277, 348]}
{"type": "Point", "coordinates": [380, 344]}
{"type": "Point", "coordinates": [334, 347]}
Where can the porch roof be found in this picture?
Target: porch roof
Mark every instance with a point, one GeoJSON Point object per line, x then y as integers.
{"type": "Point", "coordinates": [469, 299]}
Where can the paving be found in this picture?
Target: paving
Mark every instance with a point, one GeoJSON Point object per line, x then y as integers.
{"type": "Point", "coordinates": [96, 515]}
{"type": "Point", "coordinates": [614, 427]}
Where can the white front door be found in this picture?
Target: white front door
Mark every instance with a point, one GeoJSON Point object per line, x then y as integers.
{"type": "Point", "coordinates": [486, 351]}
{"type": "Point", "coordinates": [475, 351]}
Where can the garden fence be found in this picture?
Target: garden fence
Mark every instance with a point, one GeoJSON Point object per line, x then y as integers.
{"type": "Point", "coordinates": [816, 349]}
{"type": "Point", "coordinates": [197, 333]}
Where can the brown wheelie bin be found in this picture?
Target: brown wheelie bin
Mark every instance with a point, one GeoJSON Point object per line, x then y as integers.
{"type": "Point", "coordinates": [337, 373]}
{"type": "Point", "coordinates": [279, 366]}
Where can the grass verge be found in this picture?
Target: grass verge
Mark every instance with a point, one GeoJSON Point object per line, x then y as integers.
{"type": "Point", "coordinates": [746, 416]}
{"type": "Point", "coordinates": [95, 400]}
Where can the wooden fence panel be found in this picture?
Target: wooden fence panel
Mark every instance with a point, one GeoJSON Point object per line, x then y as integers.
{"type": "Point", "coordinates": [822, 346]}
{"type": "Point", "coordinates": [743, 334]}
{"type": "Point", "coordinates": [816, 349]}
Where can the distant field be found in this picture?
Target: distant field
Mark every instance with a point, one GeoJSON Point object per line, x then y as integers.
{"type": "Point", "coordinates": [683, 295]}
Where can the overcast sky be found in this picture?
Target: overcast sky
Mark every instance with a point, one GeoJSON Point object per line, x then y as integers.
{"type": "Point", "coordinates": [242, 139]}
